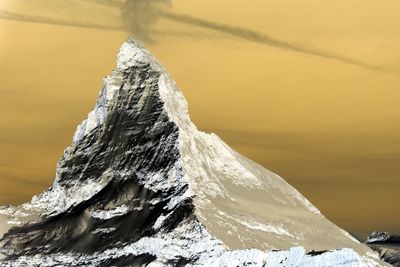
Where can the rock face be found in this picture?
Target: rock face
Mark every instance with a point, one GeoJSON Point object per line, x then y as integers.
{"type": "Point", "coordinates": [140, 185]}
{"type": "Point", "coordinates": [387, 245]}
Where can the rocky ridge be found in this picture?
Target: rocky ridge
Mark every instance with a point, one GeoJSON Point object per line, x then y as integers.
{"type": "Point", "coordinates": [140, 185]}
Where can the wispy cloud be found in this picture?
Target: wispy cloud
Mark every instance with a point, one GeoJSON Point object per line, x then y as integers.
{"type": "Point", "coordinates": [63, 22]}
{"type": "Point", "coordinates": [261, 38]}
{"type": "Point", "coordinates": [141, 16]}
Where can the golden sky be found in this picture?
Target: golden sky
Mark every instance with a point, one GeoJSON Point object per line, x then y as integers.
{"type": "Point", "coordinates": [310, 89]}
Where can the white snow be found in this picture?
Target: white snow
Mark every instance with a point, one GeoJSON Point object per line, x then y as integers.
{"type": "Point", "coordinates": [266, 228]}
{"type": "Point", "coordinates": [59, 199]}
{"type": "Point", "coordinates": [192, 239]}
{"type": "Point", "coordinates": [296, 257]}
{"type": "Point", "coordinates": [132, 53]}
{"type": "Point", "coordinates": [103, 230]}
{"type": "Point", "coordinates": [108, 214]}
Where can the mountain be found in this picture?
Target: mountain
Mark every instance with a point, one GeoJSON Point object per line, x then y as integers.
{"type": "Point", "coordinates": [141, 185]}
{"type": "Point", "coordinates": [387, 245]}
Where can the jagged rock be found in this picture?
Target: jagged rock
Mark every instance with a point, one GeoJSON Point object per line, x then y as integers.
{"type": "Point", "coordinates": [140, 185]}
{"type": "Point", "coordinates": [382, 237]}
{"type": "Point", "coordinates": [387, 245]}
{"type": "Point", "coordinates": [378, 236]}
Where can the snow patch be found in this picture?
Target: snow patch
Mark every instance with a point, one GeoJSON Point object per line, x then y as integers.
{"type": "Point", "coordinates": [278, 230]}
{"type": "Point", "coordinates": [108, 214]}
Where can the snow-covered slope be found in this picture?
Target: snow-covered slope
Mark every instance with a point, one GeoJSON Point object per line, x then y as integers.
{"type": "Point", "coordinates": [140, 185]}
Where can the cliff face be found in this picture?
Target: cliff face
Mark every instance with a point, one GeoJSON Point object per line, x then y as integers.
{"type": "Point", "coordinates": [141, 185]}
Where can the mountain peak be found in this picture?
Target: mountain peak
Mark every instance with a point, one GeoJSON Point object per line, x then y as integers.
{"type": "Point", "coordinates": [132, 53]}
{"type": "Point", "coordinates": [141, 185]}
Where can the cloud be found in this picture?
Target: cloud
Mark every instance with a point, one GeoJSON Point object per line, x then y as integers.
{"type": "Point", "coordinates": [141, 16]}
{"type": "Point", "coordinates": [264, 39]}
{"type": "Point", "coordinates": [38, 19]}
{"type": "Point", "coordinates": [71, 23]}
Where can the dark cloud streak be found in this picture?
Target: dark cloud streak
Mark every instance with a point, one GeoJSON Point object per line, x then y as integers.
{"type": "Point", "coordinates": [261, 38]}
{"type": "Point", "coordinates": [37, 19]}
{"type": "Point", "coordinates": [140, 17]}
{"type": "Point", "coordinates": [69, 23]}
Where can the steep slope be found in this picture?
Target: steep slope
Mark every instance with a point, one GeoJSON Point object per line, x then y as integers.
{"type": "Point", "coordinates": [141, 185]}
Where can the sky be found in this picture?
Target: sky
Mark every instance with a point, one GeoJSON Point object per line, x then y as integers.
{"type": "Point", "coordinates": [308, 89]}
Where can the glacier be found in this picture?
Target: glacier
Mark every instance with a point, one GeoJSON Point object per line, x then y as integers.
{"type": "Point", "coordinates": [140, 185]}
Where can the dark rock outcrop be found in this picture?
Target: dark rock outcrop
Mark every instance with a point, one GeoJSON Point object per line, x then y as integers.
{"type": "Point", "coordinates": [387, 245]}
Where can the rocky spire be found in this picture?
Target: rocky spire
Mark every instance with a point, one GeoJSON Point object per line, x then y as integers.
{"type": "Point", "coordinates": [141, 185]}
